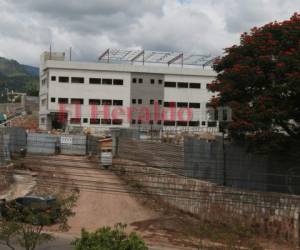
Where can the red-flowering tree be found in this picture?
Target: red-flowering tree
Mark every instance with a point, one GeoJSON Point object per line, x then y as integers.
{"type": "Point", "coordinates": [260, 81]}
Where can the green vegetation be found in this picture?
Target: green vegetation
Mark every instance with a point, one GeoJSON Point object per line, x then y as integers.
{"type": "Point", "coordinates": [17, 77]}
{"type": "Point", "coordinates": [25, 227]}
{"type": "Point", "coordinates": [107, 238]}
{"type": "Point", "coordinates": [230, 236]}
{"type": "Point", "coordinates": [260, 81]}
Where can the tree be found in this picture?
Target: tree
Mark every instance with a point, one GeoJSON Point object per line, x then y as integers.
{"type": "Point", "coordinates": [25, 227]}
{"type": "Point", "coordinates": [107, 238]}
{"type": "Point", "coordinates": [260, 81]}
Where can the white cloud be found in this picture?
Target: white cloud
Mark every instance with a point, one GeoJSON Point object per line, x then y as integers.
{"type": "Point", "coordinates": [90, 26]}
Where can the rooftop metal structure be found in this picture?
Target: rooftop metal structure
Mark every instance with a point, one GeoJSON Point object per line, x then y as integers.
{"type": "Point", "coordinates": [155, 57]}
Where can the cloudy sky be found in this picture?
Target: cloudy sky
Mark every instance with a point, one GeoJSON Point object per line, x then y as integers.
{"type": "Point", "coordinates": [27, 27]}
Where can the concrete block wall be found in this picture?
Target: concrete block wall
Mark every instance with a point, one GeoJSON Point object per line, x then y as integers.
{"type": "Point", "coordinates": [272, 213]}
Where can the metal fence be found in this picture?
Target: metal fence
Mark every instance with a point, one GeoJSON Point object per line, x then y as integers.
{"type": "Point", "coordinates": [221, 163]}
{"type": "Point", "coordinates": [231, 165]}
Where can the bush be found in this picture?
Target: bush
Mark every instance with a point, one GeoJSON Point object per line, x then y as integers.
{"type": "Point", "coordinates": [107, 238]}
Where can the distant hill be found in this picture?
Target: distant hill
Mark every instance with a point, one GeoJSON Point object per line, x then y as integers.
{"type": "Point", "coordinates": [33, 71]}
{"type": "Point", "coordinates": [17, 77]}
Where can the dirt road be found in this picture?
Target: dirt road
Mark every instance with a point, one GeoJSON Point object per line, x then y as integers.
{"type": "Point", "coordinates": [104, 199]}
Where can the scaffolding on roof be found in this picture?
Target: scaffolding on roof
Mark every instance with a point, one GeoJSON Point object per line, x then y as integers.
{"type": "Point", "coordinates": [155, 57]}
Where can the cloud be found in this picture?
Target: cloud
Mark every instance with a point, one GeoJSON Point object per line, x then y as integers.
{"type": "Point", "coordinates": [91, 26]}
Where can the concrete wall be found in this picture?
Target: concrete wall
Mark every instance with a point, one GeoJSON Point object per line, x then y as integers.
{"type": "Point", "coordinates": [272, 213]}
{"type": "Point", "coordinates": [146, 91]}
{"type": "Point", "coordinates": [201, 96]}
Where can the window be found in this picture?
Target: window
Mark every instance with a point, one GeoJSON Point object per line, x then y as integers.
{"type": "Point", "coordinates": [159, 122]}
{"type": "Point", "coordinates": [139, 122]}
{"type": "Point", "coordinates": [160, 81]}
{"type": "Point", "coordinates": [170, 84]}
{"type": "Point", "coordinates": [77, 80]}
{"type": "Point", "coordinates": [94, 101]}
{"type": "Point", "coordinates": [44, 81]}
{"type": "Point", "coordinates": [151, 122]}
{"type": "Point", "coordinates": [107, 81]}
{"type": "Point", "coordinates": [118, 102]}
{"type": "Point", "coordinates": [63, 100]}
{"type": "Point", "coordinates": [195, 85]}
{"type": "Point", "coordinates": [43, 120]}
{"type": "Point", "coordinates": [169, 104]}
{"type": "Point", "coordinates": [53, 78]}
{"type": "Point", "coordinates": [95, 80]}
{"type": "Point", "coordinates": [183, 85]}
{"type": "Point", "coordinates": [85, 120]}
{"type": "Point", "coordinates": [94, 121]}
{"type": "Point", "coordinates": [194, 105]}
{"type": "Point", "coordinates": [106, 102]}
{"type": "Point", "coordinates": [194, 123]}
{"type": "Point", "coordinates": [169, 123]}
{"type": "Point", "coordinates": [151, 101]}
{"type": "Point", "coordinates": [106, 121]}
{"type": "Point", "coordinates": [140, 80]}
{"type": "Point", "coordinates": [160, 102]}
{"type": "Point", "coordinates": [182, 104]}
{"type": "Point", "coordinates": [152, 81]}
{"type": "Point", "coordinates": [133, 101]}
{"type": "Point", "coordinates": [203, 123]}
{"type": "Point", "coordinates": [44, 101]}
{"type": "Point", "coordinates": [118, 82]}
{"type": "Point", "coordinates": [53, 99]}
{"type": "Point", "coordinates": [117, 121]}
{"type": "Point", "coordinates": [212, 124]}
{"type": "Point", "coordinates": [134, 80]}
{"type": "Point", "coordinates": [133, 121]}
{"type": "Point", "coordinates": [182, 123]}
{"type": "Point", "coordinates": [63, 79]}
{"type": "Point", "coordinates": [77, 101]}
{"type": "Point", "coordinates": [140, 101]}
{"type": "Point", "coordinates": [75, 120]}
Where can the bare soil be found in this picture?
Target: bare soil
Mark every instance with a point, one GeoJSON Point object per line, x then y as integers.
{"type": "Point", "coordinates": [106, 200]}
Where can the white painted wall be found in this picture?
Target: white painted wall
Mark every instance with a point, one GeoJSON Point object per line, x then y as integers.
{"type": "Point", "coordinates": [124, 92]}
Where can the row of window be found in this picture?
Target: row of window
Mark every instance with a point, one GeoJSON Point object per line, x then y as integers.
{"type": "Point", "coordinates": [80, 80]}
{"type": "Point", "coordinates": [179, 123]}
{"type": "Point", "coordinates": [194, 105]}
{"type": "Point", "coordinates": [97, 121]}
{"type": "Point", "coordinates": [91, 101]}
{"type": "Point", "coordinates": [183, 85]}
{"type": "Point", "coordinates": [151, 122]}
{"type": "Point", "coordinates": [108, 81]}
{"type": "Point", "coordinates": [141, 80]}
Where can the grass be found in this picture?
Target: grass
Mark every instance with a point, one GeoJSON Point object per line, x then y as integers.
{"type": "Point", "coordinates": [232, 236]}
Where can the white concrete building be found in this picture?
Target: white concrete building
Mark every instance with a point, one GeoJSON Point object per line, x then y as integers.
{"type": "Point", "coordinates": [112, 93]}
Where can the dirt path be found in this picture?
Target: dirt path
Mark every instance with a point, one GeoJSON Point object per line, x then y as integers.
{"type": "Point", "coordinates": [103, 200]}
{"type": "Point", "coordinates": [108, 204]}
{"type": "Point", "coordinates": [23, 183]}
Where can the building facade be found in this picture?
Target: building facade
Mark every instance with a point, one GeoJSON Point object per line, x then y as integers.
{"type": "Point", "coordinates": [104, 95]}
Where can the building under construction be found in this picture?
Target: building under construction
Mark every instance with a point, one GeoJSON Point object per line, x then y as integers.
{"type": "Point", "coordinates": [126, 89]}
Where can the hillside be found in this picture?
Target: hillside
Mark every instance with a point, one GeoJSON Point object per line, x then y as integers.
{"type": "Point", "coordinates": [17, 77]}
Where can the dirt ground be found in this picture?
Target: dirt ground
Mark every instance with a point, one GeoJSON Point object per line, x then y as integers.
{"type": "Point", "coordinates": [106, 200]}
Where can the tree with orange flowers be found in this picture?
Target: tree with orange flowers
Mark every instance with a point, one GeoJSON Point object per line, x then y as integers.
{"type": "Point", "coordinates": [260, 81]}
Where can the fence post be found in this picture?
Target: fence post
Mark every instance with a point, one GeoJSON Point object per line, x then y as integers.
{"type": "Point", "coordinates": [296, 229]}
{"type": "Point", "coordinates": [115, 133]}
